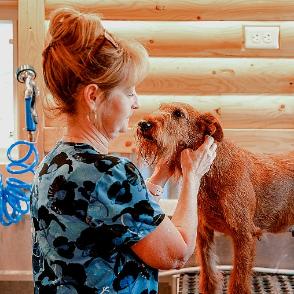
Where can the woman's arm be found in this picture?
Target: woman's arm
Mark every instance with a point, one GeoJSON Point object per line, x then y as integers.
{"type": "Point", "coordinates": [172, 243]}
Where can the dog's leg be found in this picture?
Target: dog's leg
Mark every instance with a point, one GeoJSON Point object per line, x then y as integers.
{"type": "Point", "coordinates": [244, 253]}
{"type": "Point", "coordinates": [210, 280]}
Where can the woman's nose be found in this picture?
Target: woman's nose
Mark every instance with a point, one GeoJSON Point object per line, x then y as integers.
{"type": "Point", "coordinates": [135, 104]}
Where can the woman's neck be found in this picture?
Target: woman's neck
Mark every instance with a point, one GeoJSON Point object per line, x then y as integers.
{"type": "Point", "coordinates": [79, 133]}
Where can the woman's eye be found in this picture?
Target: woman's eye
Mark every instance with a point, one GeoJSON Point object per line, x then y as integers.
{"type": "Point", "coordinates": [178, 113]}
{"type": "Point", "coordinates": [131, 95]}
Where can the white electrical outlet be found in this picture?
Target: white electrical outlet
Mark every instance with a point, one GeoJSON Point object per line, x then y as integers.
{"type": "Point", "coordinates": [262, 37]}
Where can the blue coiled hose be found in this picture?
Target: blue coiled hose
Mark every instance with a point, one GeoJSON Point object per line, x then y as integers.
{"type": "Point", "coordinates": [15, 194]}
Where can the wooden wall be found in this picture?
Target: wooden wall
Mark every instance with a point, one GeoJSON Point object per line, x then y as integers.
{"type": "Point", "coordinates": [197, 56]}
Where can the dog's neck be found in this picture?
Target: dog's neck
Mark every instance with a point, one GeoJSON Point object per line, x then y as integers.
{"type": "Point", "coordinates": [230, 159]}
{"type": "Point", "coordinates": [227, 149]}
{"type": "Point", "coordinates": [227, 154]}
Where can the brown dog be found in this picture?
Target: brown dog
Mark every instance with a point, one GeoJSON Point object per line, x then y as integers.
{"type": "Point", "coordinates": [243, 194]}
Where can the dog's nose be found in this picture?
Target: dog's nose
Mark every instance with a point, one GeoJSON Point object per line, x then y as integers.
{"type": "Point", "coordinates": [144, 125]}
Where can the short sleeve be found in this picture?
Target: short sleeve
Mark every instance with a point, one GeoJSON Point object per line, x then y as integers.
{"type": "Point", "coordinates": [122, 205]}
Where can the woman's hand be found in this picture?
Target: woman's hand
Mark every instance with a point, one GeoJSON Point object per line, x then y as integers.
{"type": "Point", "coordinates": [197, 162]}
{"type": "Point", "coordinates": [173, 242]}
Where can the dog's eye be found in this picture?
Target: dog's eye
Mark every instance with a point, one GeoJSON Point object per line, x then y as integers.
{"type": "Point", "coordinates": [178, 113]}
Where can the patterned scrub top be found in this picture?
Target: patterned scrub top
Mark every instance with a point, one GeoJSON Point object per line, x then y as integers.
{"type": "Point", "coordinates": [87, 210]}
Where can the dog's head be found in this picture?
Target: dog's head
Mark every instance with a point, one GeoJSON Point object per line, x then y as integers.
{"type": "Point", "coordinates": [163, 134]}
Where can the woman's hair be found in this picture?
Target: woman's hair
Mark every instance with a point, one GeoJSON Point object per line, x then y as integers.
{"type": "Point", "coordinates": [80, 51]}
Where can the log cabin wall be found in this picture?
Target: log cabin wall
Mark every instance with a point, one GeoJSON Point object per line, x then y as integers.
{"type": "Point", "coordinates": [198, 56]}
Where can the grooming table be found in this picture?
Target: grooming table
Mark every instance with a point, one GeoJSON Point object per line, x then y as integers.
{"type": "Point", "coordinates": [264, 281]}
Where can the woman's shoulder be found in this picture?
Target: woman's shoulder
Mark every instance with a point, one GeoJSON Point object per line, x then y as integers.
{"type": "Point", "coordinates": [81, 152]}
{"type": "Point", "coordinates": [87, 154]}
{"type": "Point", "coordinates": [74, 159]}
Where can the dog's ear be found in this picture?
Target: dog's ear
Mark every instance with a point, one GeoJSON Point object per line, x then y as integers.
{"type": "Point", "coordinates": [212, 126]}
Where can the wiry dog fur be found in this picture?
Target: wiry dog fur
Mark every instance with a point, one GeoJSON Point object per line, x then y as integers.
{"type": "Point", "coordinates": [243, 194]}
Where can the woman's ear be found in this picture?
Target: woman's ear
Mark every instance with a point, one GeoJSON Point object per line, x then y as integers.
{"type": "Point", "coordinates": [91, 93]}
{"type": "Point", "coordinates": [212, 126]}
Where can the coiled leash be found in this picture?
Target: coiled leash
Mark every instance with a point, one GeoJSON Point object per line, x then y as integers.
{"type": "Point", "coordinates": [15, 193]}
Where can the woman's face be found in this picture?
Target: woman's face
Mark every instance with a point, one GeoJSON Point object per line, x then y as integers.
{"type": "Point", "coordinates": [114, 112]}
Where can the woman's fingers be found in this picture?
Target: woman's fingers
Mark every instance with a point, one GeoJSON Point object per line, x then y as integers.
{"type": "Point", "coordinates": [209, 141]}
{"type": "Point", "coordinates": [213, 148]}
{"type": "Point", "coordinates": [199, 161]}
{"type": "Point", "coordinates": [208, 148]}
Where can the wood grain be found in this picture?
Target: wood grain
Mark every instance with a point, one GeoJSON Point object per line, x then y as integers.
{"type": "Point", "coordinates": [8, 3]}
{"type": "Point", "coordinates": [234, 111]}
{"type": "Point", "coordinates": [219, 76]}
{"type": "Point", "coordinates": [256, 140]}
{"type": "Point", "coordinates": [201, 39]}
{"type": "Point", "coordinates": [31, 35]}
{"type": "Point", "coordinates": [182, 9]}
{"type": "Point", "coordinates": [216, 76]}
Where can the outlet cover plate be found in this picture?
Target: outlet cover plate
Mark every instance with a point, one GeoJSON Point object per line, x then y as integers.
{"type": "Point", "coordinates": [261, 37]}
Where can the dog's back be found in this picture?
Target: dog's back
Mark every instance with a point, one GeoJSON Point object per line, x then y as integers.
{"type": "Point", "coordinates": [273, 180]}
{"type": "Point", "coordinates": [265, 182]}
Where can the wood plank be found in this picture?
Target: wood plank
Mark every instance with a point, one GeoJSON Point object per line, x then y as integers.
{"type": "Point", "coordinates": [8, 4]}
{"type": "Point", "coordinates": [261, 140]}
{"type": "Point", "coordinates": [246, 112]}
{"type": "Point", "coordinates": [183, 9]}
{"type": "Point", "coordinates": [240, 112]}
{"type": "Point", "coordinates": [31, 35]}
{"type": "Point", "coordinates": [15, 275]}
{"type": "Point", "coordinates": [255, 140]}
{"type": "Point", "coordinates": [216, 76]}
{"type": "Point", "coordinates": [201, 39]}
{"type": "Point", "coordinates": [16, 242]}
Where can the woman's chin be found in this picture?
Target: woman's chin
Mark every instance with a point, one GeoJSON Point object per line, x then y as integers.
{"type": "Point", "coordinates": [117, 132]}
{"type": "Point", "coordinates": [124, 129]}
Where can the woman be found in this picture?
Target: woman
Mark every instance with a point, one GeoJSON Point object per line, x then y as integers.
{"type": "Point", "coordinates": [96, 228]}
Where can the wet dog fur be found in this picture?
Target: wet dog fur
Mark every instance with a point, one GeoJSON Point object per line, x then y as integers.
{"type": "Point", "coordinates": [243, 195]}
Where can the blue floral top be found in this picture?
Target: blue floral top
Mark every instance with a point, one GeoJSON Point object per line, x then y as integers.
{"type": "Point", "coordinates": [87, 210]}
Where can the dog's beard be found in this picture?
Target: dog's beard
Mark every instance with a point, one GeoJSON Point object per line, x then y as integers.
{"type": "Point", "coordinates": [148, 150]}
{"type": "Point", "coordinates": [153, 150]}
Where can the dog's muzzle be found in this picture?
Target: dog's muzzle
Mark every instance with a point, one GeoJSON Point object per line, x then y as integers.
{"type": "Point", "coordinates": [145, 126]}
{"type": "Point", "coordinates": [144, 130]}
